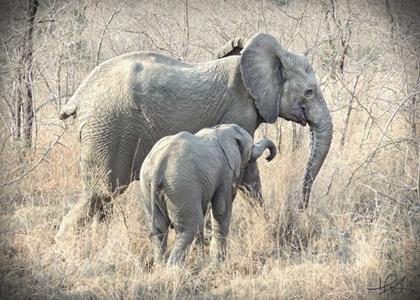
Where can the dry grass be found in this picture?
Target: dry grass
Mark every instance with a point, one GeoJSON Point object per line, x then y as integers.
{"type": "Point", "coordinates": [336, 249]}
{"type": "Point", "coordinates": [363, 222]}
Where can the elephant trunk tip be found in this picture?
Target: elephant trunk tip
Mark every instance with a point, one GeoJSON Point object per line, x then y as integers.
{"type": "Point", "coordinates": [259, 148]}
{"type": "Point", "coordinates": [306, 190]}
{"type": "Point", "coordinates": [270, 156]}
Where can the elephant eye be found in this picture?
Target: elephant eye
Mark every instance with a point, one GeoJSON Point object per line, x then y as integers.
{"type": "Point", "coordinates": [308, 92]}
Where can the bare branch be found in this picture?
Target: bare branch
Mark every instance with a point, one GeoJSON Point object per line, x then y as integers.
{"type": "Point", "coordinates": [42, 158]}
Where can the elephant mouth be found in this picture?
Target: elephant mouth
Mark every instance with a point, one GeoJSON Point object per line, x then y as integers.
{"type": "Point", "coordinates": [300, 115]}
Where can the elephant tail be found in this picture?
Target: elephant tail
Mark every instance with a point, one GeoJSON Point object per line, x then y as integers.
{"type": "Point", "coordinates": [154, 198]}
{"type": "Point", "coordinates": [71, 107]}
{"type": "Point", "coordinates": [158, 205]}
{"type": "Point", "coordinates": [68, 110]}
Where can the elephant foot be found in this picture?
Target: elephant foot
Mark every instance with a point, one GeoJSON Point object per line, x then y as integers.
{"type": "Point", "coordinates": [73, 223]}
{"type": "Point", "coordinates": [218, 249]}
{"type": "Point", "coordinates": [88, 208]}
{"type": "Point", "coordinates": [70, 228]}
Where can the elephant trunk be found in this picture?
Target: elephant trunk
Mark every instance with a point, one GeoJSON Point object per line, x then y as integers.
{"type": "Point", "coordinates": [258, 149]}
{"type": "Point", "coordinates": [321, 136]}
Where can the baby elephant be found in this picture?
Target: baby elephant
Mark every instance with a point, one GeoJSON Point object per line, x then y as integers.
{"type": "Point", "coordinates": [183, 173]}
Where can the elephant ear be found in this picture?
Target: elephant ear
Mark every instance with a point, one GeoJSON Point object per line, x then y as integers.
{"type": "Point", "coordinates": [262, 63]}
{"type": "Point", "coordinates": [233, 47]}
{"type": "Point", "coordinates": [236, 144]}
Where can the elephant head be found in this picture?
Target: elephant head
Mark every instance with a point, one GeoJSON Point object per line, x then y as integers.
{"type": "Point", "coordinates": [235, 140]}
{"type": "Point", "coordinates": [284, 85]}
{"type": "Point", "coordinates": [236, 143]}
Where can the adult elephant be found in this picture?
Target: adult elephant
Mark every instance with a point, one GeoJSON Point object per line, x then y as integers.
{"type": "Point", "coordinates": [129, 102]}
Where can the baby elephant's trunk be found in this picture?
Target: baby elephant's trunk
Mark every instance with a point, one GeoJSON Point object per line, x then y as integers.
{"type": "Point", "coordinates": [258, 149]}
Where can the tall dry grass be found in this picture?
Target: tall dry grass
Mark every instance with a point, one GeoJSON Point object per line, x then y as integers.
{"type": "Point", "coordinates": [341, 246]}
{"type": "Point", "coordinates": [361, 229]}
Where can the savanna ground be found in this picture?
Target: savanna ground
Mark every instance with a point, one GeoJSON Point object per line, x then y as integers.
{"type": "Point", "coordinates": [362, 228]}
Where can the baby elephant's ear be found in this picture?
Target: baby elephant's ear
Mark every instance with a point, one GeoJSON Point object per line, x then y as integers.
{"type": "Point", "coordinates": [233, 147]}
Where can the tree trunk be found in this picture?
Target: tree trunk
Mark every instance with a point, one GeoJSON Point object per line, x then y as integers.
{"type": "Point", "coordinates": [18, 111]}
{"type": "Point", "coordinates": [418, 178]}
{"type": "Point", "coordinates": [27, 74]}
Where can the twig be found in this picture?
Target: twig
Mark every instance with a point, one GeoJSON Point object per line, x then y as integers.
{"type": "Point", "coordinates": [329, 185]}
{"type": "Point", "coordinates": [49, 148]}
{"type": "Point", "coordinates": [107, 24]}
{"type": "Point", "coordinates": [377, 147]}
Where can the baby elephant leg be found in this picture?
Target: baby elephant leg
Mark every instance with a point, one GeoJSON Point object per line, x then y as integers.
{"type": "Point", "coordinates": [159, 237]}
{"type": "Point", "coordinates": [186, 231]}
{"type": "Point", "coordinates": [221, 214]}
{"type": "Point", "coordinates": [183, 241]}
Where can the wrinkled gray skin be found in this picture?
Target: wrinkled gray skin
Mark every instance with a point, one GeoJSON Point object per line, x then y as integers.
{"type": "Point", "coordinates": [183, 173]}
{"type": "Point", "coordinates": [128, 103]}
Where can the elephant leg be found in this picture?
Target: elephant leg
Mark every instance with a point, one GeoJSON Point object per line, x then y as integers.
{"type": "Point", "coordinates": [207, 218]}
{"type": "Point", "coordinates": [159, 227]}
{"type": "Point", "coordinates": [88, 207]}
{"type": "Point", "coordinates": [157, 219]}
{"type": "Point", "coordinates": [183, 240]}
{"type": "Point", "coordinates": [187, 228]}
{"type": "Point", "coordinates": [159, 241]}
{"type": "Point", "coordinates": [221, 214]}
{"type": "Point", "coordinates": [99, 189]}
{"type": "Point", "coordinates": [250, 184]}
